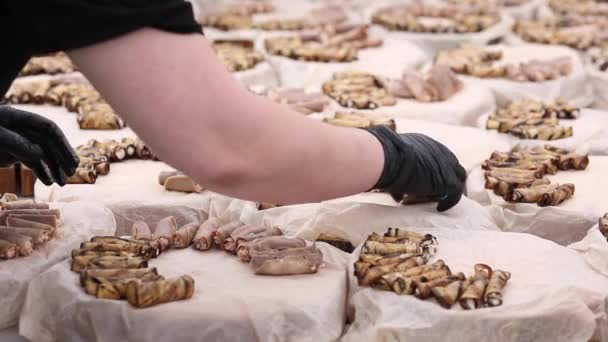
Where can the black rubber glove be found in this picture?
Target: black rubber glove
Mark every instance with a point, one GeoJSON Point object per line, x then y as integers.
{"type": "Point", "coordinates": [417, 165]}
{"type": "Point", "coordinates": [37, 143]}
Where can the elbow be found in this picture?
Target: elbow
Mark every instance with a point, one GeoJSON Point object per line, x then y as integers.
{"type": "Point", "coordinates": [222, 176]}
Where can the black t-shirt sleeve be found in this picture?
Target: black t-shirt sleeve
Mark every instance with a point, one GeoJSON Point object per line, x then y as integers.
{"type": "Point", "coordinates": [43, 26]}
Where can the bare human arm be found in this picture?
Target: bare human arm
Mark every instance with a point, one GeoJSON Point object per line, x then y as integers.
{"type": "Point", "coordinates": [179, 98]}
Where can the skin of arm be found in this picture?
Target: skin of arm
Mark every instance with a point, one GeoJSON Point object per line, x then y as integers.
{"type": "Point", "coordinates": [179, 98]}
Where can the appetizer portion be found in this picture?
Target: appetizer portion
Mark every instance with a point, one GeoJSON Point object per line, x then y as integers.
{"type": "Point", "coordinates": [360, 120]}
{"type": "Point", "coordinates": [362, 90]}
{"type": "Point", "coordinates": [530, 119]}
{"type": "Point", "coordinates": [340, 43]}
{"type": "Point", "coordinates": [117, 268]}
{"type": "Point", "coordinates": [424, 17]}
{"type": "Point", "coordinates": [241, 17]}
{"type": "Point", "coordinates": [398, 261]}
{"type": "Point", "coordinates": [236, 17]}
{"type": "Point", "coordinates": [25, 225]}
{"type": "Point", "coordinates": [574, 31]}
{"type": "Point", "coordinates": [53, 64]}
{"type": "Point", "coordinates": [93, 111]}
{"type": "Point", "coordinates": [579, 7]}
{"type": "Point", "coordinates": [519, 176]}
{"type": "Point", "coordinates": [358, 90]}
{"type": "Point", "coordinates": [264, 248]}
{"type": "Point", "coordinates": [237, 55]}
{"type": "Point", "coordinates": [177, 181]}
{"type": "Point", "coordinates": [298, 99]}
{"type": "Point", "coordinates": [96, 157]}
{"type": "Point", "coordinates": [483, 62]}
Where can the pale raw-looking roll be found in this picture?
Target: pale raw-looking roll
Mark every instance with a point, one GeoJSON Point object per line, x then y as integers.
{"type": "Point", "coordinates": [39, 236]}
{"type": "Point", "coordinates": [223, 232]}
{"type": "Point", "coordinates": [17, 222]}
{"type": "Point", "coordinates": [163, 233]}
{"type": "Point", "coordinates": [50, 220]}
{"type": "Point", "coordinates": [141, 231]}
{"type": "Point", "coordinates": [5, 213]}
{"type": "Point", "coordinates": [183, 237]}
{"type": "Point", "coordinates": [276, 243]}
{"type": "Point", "coordinates": [146, 294]}
{"type": "Point", "coordinates": [25, 204]}
{"type": "Point", "coordinates": [8, 250]}
{"type": "Point", "coordinates": [162, 177]}
{"type": "Point", "coordinates": [203, 240]}
{"type": "Point", "coordinates": [182, 183]}
{"type": "Point", "coordinates": [290, 261]}
{"type": "Point", "coordinates": [230, 244]}
{"type": "Point", "coordinates": [243, 244]}
{"type": "Point", "coordinates": [23, 242]}
{"type": "Point", "coordinates": [8, 197]}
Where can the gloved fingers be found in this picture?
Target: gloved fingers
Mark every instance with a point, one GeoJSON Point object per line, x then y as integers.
{"type": "Point", "coordinates": [397, 196]}
{"type": "Point", "coordinates": [41, 170]}
{"type": "Point", "coordinates": [453, 196]}
{"type": "Point", "coordinates": [55, 146]}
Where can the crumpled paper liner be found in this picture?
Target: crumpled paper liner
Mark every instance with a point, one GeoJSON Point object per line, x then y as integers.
{"type": "Point", "coordinates": [261, 74]}
{"type": "Point", "coordinates": [594, 249]}
{"type": "Point", "coordinates": [80, 222]}
{"type": "Point", "coordinates": [552, 295]}
{"type": "Point", "coordinates": [132, 192]}
{"type": "Point", "coordinates": [599, 81]}
{"type": "Point", "coordinates": [353, 217]}
{"type": "Point", "coordinates": [230, 303]}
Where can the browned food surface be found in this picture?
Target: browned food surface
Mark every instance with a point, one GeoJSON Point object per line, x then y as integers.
{"type": "Point", "coordinates": [482, 62]}
{"type": "Point", "coordinates": [93, 111]}
{"type": "Point", "coordinates": [237, 55]}
{"type": "Point", "coordinates": [58, 63]}
{"type": "Point", "coordinates": [531, 119]}
{"type": "Point", "coordinates": [360, 120]}
{"type": "Point", "coordinates": [424, 17]}
{"type": "Point", "coordinates": [503, 3]}
{"type": "Point", "coordinates": [96, 157]}
{"type": "Point", "coordinates": [519, 176]}
{"type": "Point", "coordinates": [398, 261]}
{"type": "Point", "coordinates": [333, 43]}
{"type": "Point", "coordinates": [580, 32]}
{"type": "Point", "coordinates": [362, 90]}
{"type": "Point", "coordinates": [240, 17]}
{"type": "Point", "coordinates": [117, 268]}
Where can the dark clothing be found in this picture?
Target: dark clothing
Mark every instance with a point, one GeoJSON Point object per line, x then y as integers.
{"type": "Point", "coordinates": [37, 27]}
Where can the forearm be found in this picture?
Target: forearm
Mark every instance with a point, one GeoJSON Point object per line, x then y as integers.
{"type": "Point", "coordinates": [178, 97]}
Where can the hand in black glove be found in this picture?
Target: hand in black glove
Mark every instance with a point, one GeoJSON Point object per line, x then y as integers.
{"type": "Point", "coordinates": [416, 165]}
{"type": "Point", "coordinates": [36, 142]}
